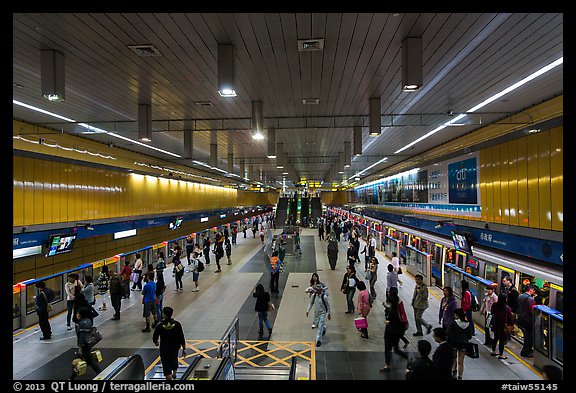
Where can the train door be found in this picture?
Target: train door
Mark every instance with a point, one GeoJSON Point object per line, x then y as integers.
{"type": "Point", "coordinates": [460, 259]}
{"type": "Point", "coordinates": [436, 265]}
{"type": "Point", "coordinates": [490, 271]}
{"type": "Point", "coordinates": [507, 272]}
{"type": "Point", "coordinates": [416, 242]}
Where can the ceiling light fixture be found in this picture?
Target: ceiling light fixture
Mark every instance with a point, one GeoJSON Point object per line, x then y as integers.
{"type": "Point", "coordinates": [226, 70]}
{"type": "Point", "coordinates": [271, 142]}
{"type": "Point", "coordinates": [488, 100]}
{"type": "Point", "coordinates": [52, 74]}
{"type": "Point", "coordinates": [94, 129]}
{"type": "Point", "coordinates": [144, 123]}
{"type": "Point", "coordinates": [375, 120]}
{"type": "Point", "coordinates": [347, 154]}
{"type": "Point", "coordinates": [412, 64]}
{"type": "Point", "coordinates": [357, 140]}
{"type": "Point", "coordinates": [257, 120]}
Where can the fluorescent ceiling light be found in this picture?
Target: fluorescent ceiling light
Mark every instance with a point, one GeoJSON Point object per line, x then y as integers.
{"type": "Point", "coordinates": [258, 135]}
{"type": "Point", "coordinates": [487, 101]}
{"type": "Point", "coordinates": [271, 156]}
{"type": "Point", "coordinates": [91, 128]}
{"type": "Point", "coordinates": [372, 166]}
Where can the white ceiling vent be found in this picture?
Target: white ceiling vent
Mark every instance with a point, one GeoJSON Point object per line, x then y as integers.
{"type": "Point", "coordinates": [311, 45]}
{"type": "Point", "coordinates": [203, 103]}
{"type": "Point", "coordinates": [310, 101]}
{"type": "Point", "coordinates": [145, 50]}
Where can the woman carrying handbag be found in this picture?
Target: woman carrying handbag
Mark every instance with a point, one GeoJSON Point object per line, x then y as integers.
{"type": "Point", "coordinates": [364, 306]}
{"type": "Point", "coordinates": [502, 324]}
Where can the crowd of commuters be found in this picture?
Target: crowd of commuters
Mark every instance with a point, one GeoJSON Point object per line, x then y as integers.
{"type": "Point", "coordinates": [456, 328]}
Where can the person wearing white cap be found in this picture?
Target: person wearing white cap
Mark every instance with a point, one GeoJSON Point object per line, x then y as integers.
{"type": "Point", "coordinates": [320, 301]}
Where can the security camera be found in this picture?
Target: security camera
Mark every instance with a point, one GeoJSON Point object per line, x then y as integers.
{"type": "Point", "coordinates": [110, 145]}
{"type": "Point", "coordinates": [450, 112]}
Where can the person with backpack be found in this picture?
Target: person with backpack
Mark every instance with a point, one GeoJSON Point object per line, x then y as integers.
{"type": "Point", "coordinates": [218, 251]}
{"type": "Point", "coordinates": [42, 302]}
{"type": "Point", "coordinates": [196, 267]}
{"type": "Point", "coordinates": [84, 348]}
{"type": "Point", "coordinates": [126, 273]}
{"type": "Point", "coordinates": [466, 304]}
{"type": "Point", "coordinates": [169, 337]}
{"type": "Point", "coordinates": [459, 335]}
{"type": "Point", "coordinates": [420, 304]}
{"type": "Point", "coordinates": [364, 305]}
{"type": "Point", "coordinates": [396, 324]}
{"type": "Point", "coordinates": [319, 300]}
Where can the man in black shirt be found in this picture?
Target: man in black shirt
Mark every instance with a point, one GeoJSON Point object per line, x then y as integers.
{"type": "Point", "coordinates": [171, 336]}
{"type": "Point", "coordinates": [422, 368]}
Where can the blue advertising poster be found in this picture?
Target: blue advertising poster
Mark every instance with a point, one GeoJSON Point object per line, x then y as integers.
{"type": "Point", "coordinates": [462, 182]}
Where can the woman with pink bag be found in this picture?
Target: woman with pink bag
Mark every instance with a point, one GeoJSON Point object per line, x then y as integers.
{"type": "Point", "coordinates": [364, 307]}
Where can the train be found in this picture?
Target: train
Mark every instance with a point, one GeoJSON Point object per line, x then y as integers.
{"type": "Point", "coordinates": [443, 263]}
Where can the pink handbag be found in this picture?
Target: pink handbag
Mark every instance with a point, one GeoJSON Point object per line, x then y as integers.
{"type": "Point", "coordinates": [361, 323]}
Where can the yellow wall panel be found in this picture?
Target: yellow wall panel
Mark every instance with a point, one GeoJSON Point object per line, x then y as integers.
{"type": "Point", "coordinates": [65, 200]}
{"type": "Point", "coordinates": [557, 178]}
{"type": "Point", "coordinates": [532, 160]}
{"type": "Point", "coordinates": [483, 184]}
{"type": "Point", "coordinates": [38, 173]}
{"type": "Point", "coordinates": [544, 190]}
{"type": "Point", "coordinates": [496, 189]}
{"type": "Point", "coordinates": [504, 195]}
{"type": "Point", "coordinates": [18, 191]}
{"type": "Point", "coordinates": [512, 182]}
{"type": "Point", "coordinates": [46, 181]}
{"type": "Point", "coordinates": [489, 207]}
{"type": "Point", "coordinates": [522, 175]}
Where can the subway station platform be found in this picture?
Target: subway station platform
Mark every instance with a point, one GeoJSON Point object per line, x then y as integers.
{"type": "Point", "coordinates": [205, 315]}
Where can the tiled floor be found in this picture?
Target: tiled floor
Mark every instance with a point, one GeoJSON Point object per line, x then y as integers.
{"type": "Point", "coordinates": [205, 315]}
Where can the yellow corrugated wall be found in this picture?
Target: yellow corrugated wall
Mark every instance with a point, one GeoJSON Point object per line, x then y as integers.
{"type": "Point", "coordinates": [46, 192]}
{"type": "Point", "coordinates": [521, 181]}
{"type": "Point", "coordinates": [557, 178]}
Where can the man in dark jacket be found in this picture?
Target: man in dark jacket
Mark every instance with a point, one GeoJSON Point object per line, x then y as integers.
{"type": "Point", "coordinates": [115, 294]}
{"type": "Point", "coordinates": [171, 336]}
{"type": "Point", "coordinates": [524, 321]}
{"type": "Point", "coordinates": [422, 368]}
{"type": "Point", "coordinates": [332, 252]}
{"type": "Point", "coordinates": [443, 355]}
{"type": "Point", "coordinates": [44, 297]}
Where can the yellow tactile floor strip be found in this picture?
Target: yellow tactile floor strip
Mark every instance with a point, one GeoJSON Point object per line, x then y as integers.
{"type": "Point", "coordinates": [207, 348]}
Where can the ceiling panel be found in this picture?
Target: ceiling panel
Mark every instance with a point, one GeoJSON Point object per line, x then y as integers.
{"type": "Point", "coordinates": [467, 57]}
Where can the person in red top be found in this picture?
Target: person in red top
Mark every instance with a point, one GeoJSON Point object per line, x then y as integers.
{"type": "Point", "coordinates": [465, 304]}
{"type": "Point", "coordinates": [126, 273]}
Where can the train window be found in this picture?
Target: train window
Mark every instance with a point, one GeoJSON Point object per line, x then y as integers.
{"type": "Point", "coordinates": [472, 267]}
{"type": "Point", "coordinates": [542, 288]}
{"type": "Point", "coordinates": [490, 272]}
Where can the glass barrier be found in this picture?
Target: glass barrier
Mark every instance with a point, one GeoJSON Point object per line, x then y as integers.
{"type": "Point", "coordinates": [411, 257]}
{"type": "Point", "coordinates": [16, 304]}
{"type": "Point", "coordinates": [422, 264]}
{"type": "Point", "coordinates": [541, 332]}
{"type": "Point", "coordinates": [54, 283]}
{"type": "Point", "coordinates": [558, 343]}
{"type": "Point", "coordinates": [490, 272]}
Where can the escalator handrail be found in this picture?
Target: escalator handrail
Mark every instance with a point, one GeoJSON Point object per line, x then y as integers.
{"type": "Point", "coordinates": [292, 374]}
{"type": "Point", "coordinates": [122, 365]}
{"type": "Point", "coordinates": [191, 367]}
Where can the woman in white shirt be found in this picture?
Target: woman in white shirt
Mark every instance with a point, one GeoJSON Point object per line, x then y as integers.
{"type": "Point", "coordinates": [138, 269]}
{"type": "Point", "coordinates": [72, 286]}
